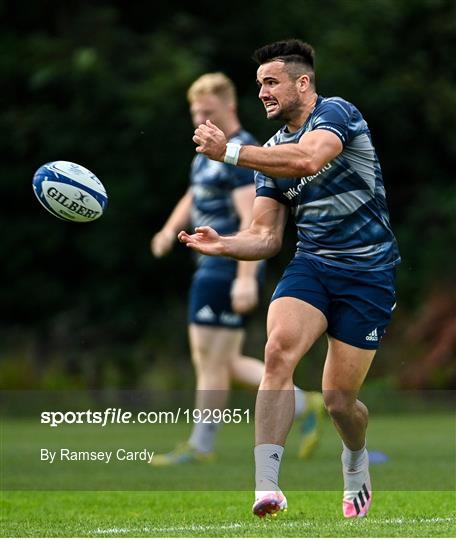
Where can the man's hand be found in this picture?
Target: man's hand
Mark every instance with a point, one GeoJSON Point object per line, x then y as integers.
{"type": "Point", "coordinates": [244, 294]}
{"type": "Point", "coordinates": [162, 243]}
{"type": "Point", "coordinates": [211, 141]}
{"type": "Point", "coordinates": [205, 241]}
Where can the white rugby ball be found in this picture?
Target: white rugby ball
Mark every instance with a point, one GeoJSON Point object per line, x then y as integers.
{"type": "Point", "coordinates": [69, 191]}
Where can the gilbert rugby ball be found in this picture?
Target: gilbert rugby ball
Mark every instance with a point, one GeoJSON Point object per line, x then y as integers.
{"type": "Point", "coordinates": [69, 191]}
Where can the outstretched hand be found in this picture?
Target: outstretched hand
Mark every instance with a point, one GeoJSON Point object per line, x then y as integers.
{"type": "Point", "coordinates": [205, 240]}
{"type": "Point", "coordinates": [211, 141]}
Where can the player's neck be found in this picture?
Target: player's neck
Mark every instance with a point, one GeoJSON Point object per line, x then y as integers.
{"type": "Point", "coordinates": [304, 111]}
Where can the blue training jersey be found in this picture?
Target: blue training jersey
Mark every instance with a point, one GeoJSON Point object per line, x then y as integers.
{"type": "Point", "coordinates": [212, 185]}
{"type": "Point", "coordinates": [340, 212]}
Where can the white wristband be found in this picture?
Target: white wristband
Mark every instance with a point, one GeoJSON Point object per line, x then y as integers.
{"type": "Point", "coordinates": [232, 153]}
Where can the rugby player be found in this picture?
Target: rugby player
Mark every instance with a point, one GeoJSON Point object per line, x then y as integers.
{"type": "Point", "coordinates": [321, 167]}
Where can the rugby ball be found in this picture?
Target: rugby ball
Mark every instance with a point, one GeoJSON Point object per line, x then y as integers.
{"type": "Point", "coordinates": [69, 191]}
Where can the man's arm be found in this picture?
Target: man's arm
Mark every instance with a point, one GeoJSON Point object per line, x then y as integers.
{"type": "Point", "coordinates": [179, 218]}
{"type": "Point", "coordinates": [314, 150]}
{"type": "Point", "coordinates": [244, 291]}
{"type": "Point", "coordinates": [263, 238]}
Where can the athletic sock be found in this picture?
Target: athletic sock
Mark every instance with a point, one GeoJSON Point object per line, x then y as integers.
{"type": "Point", "coordinates": [267, 464]}
{"type": "Point", "coordinates": [357, 496]}
{"type": "Point", "coordinates": [354, 460]}
{"type": "Point", "coordinates": [300, 401]}
{"type": "Point", "coordinates": [203, 436]}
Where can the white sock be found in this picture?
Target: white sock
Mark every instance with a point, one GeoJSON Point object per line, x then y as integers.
{"type": "Point", "coordinates": [300, 401]}
{"type": "Point", "coordinates": [354, 460]}
{"type": "Point", "coordinates": [203, 436]}
{"type": "Point", "coordinates": [267, 464]}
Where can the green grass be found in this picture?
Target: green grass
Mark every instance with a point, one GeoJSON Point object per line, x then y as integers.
{"type": "Point", "coordinates": [413, 491]}
{"type": "Point", "coordinates": [221, 514]}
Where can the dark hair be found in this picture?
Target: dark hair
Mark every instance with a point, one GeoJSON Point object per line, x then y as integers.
{"type": "Point", "coordinates": [290, 51]}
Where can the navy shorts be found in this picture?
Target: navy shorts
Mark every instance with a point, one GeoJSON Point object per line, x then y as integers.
{"type": "Point", "coordinates": [210, 303]}
{"type": "Point", "coordinates": [357, 304]}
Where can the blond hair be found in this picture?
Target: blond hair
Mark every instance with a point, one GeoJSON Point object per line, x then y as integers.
{"type": "Point", "coordinates": [217, 84]}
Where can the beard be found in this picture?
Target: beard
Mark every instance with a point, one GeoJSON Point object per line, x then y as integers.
{"type": "Point", "coordinates": [287, 111]}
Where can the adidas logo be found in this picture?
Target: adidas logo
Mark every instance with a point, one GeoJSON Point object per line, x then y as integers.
{"type": "Point", "coordinates": [274, 456]}
{"type": "Point", "coordinates": [361, 499]}
{"type": "Point", "coordinates": [373, 336]}
{"type": "Point", "coordinates": [205, 314]}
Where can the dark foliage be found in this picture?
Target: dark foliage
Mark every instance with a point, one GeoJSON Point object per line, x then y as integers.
{"type": "Point", "coordinates": [104, 83]}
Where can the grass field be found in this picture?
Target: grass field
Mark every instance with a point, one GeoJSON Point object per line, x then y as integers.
{"type": "Point", "coordinates": [221, 514]}
{"type": "Point", "coordinates": [413, 491]}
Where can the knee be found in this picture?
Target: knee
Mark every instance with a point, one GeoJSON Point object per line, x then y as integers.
{"type": "Point", "coordinates": [199, 354]}
{"type": "Point", "coordinates": [279, 361]}
{"type": "Point", "coordinates": [339, 404]}
{"type": "Point", "coordinates": [203, 358]}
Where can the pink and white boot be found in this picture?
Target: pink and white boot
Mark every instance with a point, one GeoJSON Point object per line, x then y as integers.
{"type": "Point", "coordinates": [357, 492]}
{"type": "Point", "coordinates": [269, 503]}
